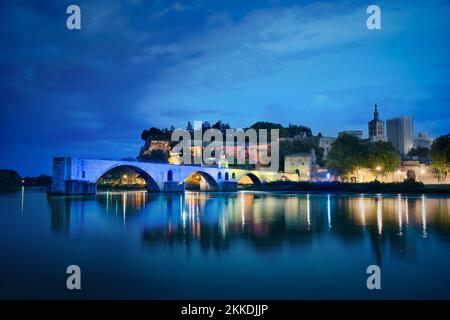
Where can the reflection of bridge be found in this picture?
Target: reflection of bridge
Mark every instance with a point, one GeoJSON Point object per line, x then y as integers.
{"type": "Point", "coordinates": [73, 175]}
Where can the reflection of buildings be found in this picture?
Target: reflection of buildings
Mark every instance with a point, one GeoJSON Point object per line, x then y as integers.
{"type": "Point", "coordinates": [266, 221]}
{"type": "Point", "coordinates": [217, 222]}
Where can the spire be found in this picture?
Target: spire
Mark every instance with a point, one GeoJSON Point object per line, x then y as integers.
{"type": "Point", "coordinates": [375, 114]}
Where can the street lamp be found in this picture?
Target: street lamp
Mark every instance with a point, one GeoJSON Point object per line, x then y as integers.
{"type": "Point", "coordinates": [398, 173]}
{"type": "Point", "coordinates": [378, 168]}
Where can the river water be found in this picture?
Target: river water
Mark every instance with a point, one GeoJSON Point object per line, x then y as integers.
{"type": "Point", "coordinates": [244, 245]}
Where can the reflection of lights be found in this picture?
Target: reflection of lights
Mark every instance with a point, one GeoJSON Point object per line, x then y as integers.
{"type": "Point", "coordinates": [124, 207]}
{"type": "Point", "coordinates": [424, 218]}
{"type": "Point", "coordinates": [23, 198]}
{"type": "Point", "coordinates": [400, 214]}
{"type": "Point", "coordinates": [362, 209]}
{"type": "Point", "coordinates": [379, 215]}
{"type": "Point", "coordinates": [242, 210]}
{"type": "Point", "coordinates": [308, 210]}
{"type": "Point", "coordinates": [406, 211]}
{"type": "Point", "coordinates": [107, 201]}
{"type": "Point", "coordinates": [329, 210]}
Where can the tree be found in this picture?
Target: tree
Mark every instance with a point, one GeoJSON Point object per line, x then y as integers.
{"type": "Point", "coordinates": [346, 155]}
{"type": "Point", "coordinates": [349, 153]}
{"type": "Point", "coordinates": [380, 154]}
{"type": "Point", "coordinates": [9, 178]}
{"type": "Point", "coordinates": [419, 152]}
{"type": "Point", "coordinates": [440, 156]}
{"type": "Point", "coordinates": [153, 132]}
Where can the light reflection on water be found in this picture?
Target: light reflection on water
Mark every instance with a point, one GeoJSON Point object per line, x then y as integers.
{"type": "Point", "coordinates": [254, 217]}
{"type": "Point", "coordinates": [290, 232]}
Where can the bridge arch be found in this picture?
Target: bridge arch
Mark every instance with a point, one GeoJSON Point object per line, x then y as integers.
{"type": "Point", "coordinates": [284, 178]}
{"type": "Point", "coordinates": [151, 184]}
{"type": "Point", "coordinates": [205, 181]}
{"type": "Point", "coordinates": [249, 178]}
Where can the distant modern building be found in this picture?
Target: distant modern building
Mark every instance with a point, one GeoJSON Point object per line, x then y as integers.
{"type": "Point", "coordinates": [400, 133]}
{"type": "Point", "coordinates": [376, 127]}
{"type": "Point", "coordinates": [423, 141]}
{"type": "Point", "coordinates": [356, 133]}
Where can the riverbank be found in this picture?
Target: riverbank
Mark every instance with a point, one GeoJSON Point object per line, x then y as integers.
{"type": "Point", "coordinates": [371, 187]}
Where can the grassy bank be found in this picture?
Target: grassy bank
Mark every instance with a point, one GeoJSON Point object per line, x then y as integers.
{"type": "Point", "coordinates": [371, 187]}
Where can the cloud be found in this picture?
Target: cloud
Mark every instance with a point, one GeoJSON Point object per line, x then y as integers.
{"type": "Point", "coordinates": [175, 7]}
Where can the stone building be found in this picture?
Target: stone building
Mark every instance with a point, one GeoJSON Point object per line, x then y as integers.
{"type": "Point", "coordinates": [376, 127]}
{"type": "Point", "coordinates": [423, 141]}
{"type": "Point", "coordinates": [325, 144]}
{"type": "Point", "coordinates": [301, 164]}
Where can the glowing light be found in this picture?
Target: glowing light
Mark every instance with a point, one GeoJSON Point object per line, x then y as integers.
{"type": "Point", "coordinates": [424, 218]}
{"type": "Point", "coordinates": [379, 216]}
{"type": "Point", "coordinates": [378, 168]}
{"type": "Point", "coordinates": [399, 172]}
{"type": "Point", "coordinates": [328, 176]}
{"type": "Point", "coordinates": [362, 209]}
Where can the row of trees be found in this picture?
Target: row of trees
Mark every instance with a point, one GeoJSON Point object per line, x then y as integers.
{"type": "Point", "coordinates": [284, 132]}
{"type": "Point", "coordinates": [349, 153]}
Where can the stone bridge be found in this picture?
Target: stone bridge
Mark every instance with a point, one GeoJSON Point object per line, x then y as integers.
{"type": "Point", "coordinates": [73, 175]}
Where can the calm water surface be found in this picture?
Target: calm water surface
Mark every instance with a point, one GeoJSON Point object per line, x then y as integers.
{"type": "Point", "coordinates": [224, 245]}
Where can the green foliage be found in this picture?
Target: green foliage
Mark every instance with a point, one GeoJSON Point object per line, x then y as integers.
{"type": "Point", "coordinates": [157, 134]}
{"type": "Point", "coordinates": [349, 153]}
{"type": "Point", "coordinates": [380, 154]}
{"type": "Point", "coordinates": [9, 178]}
{"type": "Point", "coordinates": [419, 152]}
{"type": "Point", "coordinates": [440, 156]}
{"type": "Point", "coordinates": [346, 154]}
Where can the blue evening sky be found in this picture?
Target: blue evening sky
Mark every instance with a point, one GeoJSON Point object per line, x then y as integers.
{"type": "Point", "coordinates": [136, 64]}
